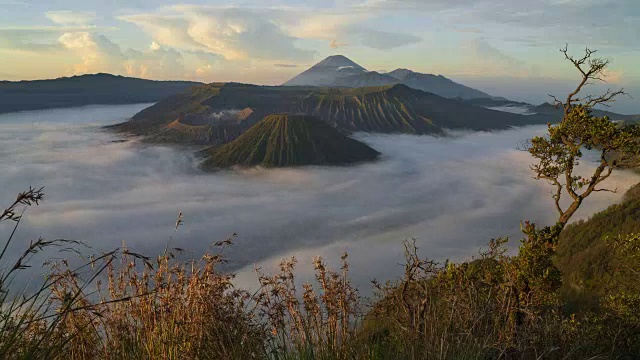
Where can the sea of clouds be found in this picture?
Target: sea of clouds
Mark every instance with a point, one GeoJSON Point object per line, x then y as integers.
{"type": "Point", "coordinates": [451, 194]}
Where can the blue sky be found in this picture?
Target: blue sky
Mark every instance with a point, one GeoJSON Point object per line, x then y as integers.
{"type": "Point", "coordinates": [495, 45]}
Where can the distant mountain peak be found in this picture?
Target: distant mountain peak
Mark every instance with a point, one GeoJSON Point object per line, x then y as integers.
{"type": "Point", "coordinates": [340, 71]}
{"type": "Point", "coordinates": [326, 72]}
{"type": "Point", "coordinates": [339, 61]}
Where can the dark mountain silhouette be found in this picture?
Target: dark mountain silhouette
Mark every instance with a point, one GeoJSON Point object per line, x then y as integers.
{"type": "Point", "coordinates": [283, 140]}
{"type": "Point", "coordinates": [436, 84]}
{"type": "Point", "coordinates": [84, 90]}
{"type": "Point", "coordinates": [495, 102]}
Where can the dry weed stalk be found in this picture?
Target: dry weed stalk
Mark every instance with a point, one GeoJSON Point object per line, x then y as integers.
{"type": "Point", "coordinates": [320, 325]}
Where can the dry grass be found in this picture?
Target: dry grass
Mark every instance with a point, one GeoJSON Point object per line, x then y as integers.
{"type": "Point", "coordinates": [161, 309]}
{"type": "Point", "coordinates": [320, 324]}
{"type": "Point", "coordinates": [122, 305]}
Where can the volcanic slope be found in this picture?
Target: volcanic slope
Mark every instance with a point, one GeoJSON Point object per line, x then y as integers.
{"type": "Point", "coordinates": [383, 109]}
{"type": "Point", "coordinates": [283, 140]}
{"type": "Point", "coordinates": [399, 108]}
{"type": "Point", "coordinates": [371, 78]}
{"type": "Point", "coordinates": [326, 72]}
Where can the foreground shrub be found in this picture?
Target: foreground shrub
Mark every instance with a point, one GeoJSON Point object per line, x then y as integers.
{"type": "Point", "coordinates": [173, 310]}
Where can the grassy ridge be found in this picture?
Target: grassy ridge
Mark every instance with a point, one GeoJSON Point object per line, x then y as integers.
{"type": "Point", "coordinates": [290, 140]}
{"type": "Point", "coordinates": [584, 251]}
{"type": "Point", "coordinates": [373, 109]}
{"type": "Point", "coordinates": [384, 109]}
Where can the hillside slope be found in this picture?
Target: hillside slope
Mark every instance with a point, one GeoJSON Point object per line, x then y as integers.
{"type": "Point", "coordinates": [399, 108]}
{"type": "Point", "coordinates": [584, 254]}
{"type": "Point", "coordinates": [282, 140]}
{"type": "Point", "coordinates": [384, 109]}
{"type": "Point", "coordinates": [84, 90]}
{"type": "Point", "coordinates": [368, 79]}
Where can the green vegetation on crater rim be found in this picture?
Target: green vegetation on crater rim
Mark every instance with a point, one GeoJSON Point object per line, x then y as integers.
{"type": "Point", "coordinates": [289, 140]}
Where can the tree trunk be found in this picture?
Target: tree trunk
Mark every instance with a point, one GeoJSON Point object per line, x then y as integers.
{"type": "Point", "coordinates": [564, 219]}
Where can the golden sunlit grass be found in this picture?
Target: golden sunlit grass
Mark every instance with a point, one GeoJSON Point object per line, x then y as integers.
{"type": "Point", "coordinates": [123, 305]}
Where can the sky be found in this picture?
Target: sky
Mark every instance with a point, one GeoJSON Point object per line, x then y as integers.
{"type": "Point", "coordinates": [490, 44]}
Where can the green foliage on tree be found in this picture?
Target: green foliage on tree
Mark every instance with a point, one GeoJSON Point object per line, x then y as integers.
{"type": "Point", "coordinates": [559, 152]}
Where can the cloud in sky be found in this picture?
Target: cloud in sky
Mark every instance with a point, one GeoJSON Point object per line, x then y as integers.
{"type": "Point", "coordinates": [384, 40]}
{"type": "Point", "coordinates": [239, 33]}
{"type": "Point", "coordinates": [452, 37]}
{"type": "Point", "coordinates": [155, 63]}
{"type": "Point", "coordinates": [36, 40]}
{"type": "Point", "coordinates": [97, 53]}
{"type": "Point", "coordinates": [67, 17]}
{"type": "Point", "coordinates": [613, 76]}
{"type": "Point", "coordinates": [607, 23]}
{"type": "Point", "coordinates": [334, 44]}
{"type": "Point", "coordinates": [236, 34]}
{"type": "Point", "coordinates": [491, 60]}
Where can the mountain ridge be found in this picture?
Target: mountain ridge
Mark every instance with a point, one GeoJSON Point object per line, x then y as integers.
{"type": "Point", "coordinates": [437, 84]}
{"type": "Point", "coordinates": [393, 108]}
{"type": "Point", "coordinates": [89, 89]}
{"type": "Point", "coordinates": [340, 71]}
{"type": "Point", "coordinates": [368, 79]}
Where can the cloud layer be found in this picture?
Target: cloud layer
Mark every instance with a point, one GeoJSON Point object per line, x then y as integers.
{"type": "Point", "coordinates": [452, 194]}
{"type": "Point", "coordinates": [66, 17]}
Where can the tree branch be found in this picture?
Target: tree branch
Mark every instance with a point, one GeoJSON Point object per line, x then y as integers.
{"type": "Point", "coordinates": [606, 190]}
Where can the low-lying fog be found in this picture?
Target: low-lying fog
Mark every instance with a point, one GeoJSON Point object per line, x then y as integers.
{"type": "Point", "coordinates": [451, 194]}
